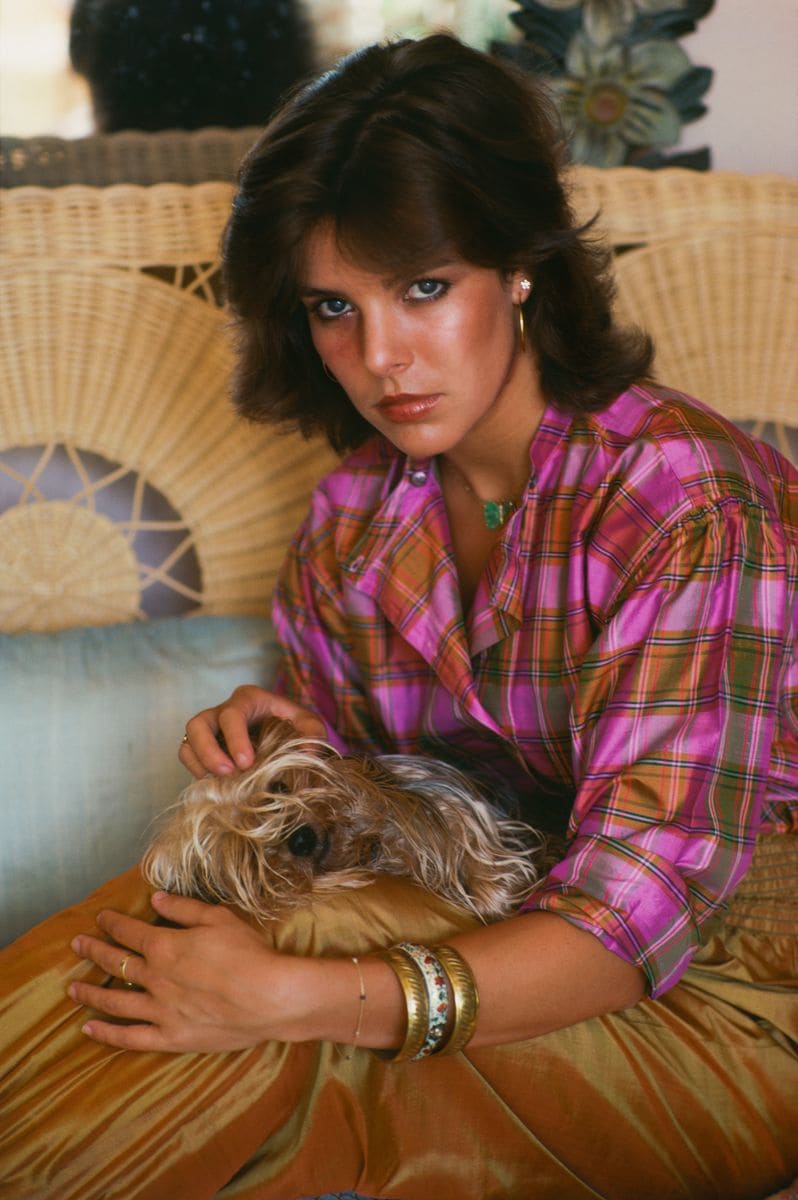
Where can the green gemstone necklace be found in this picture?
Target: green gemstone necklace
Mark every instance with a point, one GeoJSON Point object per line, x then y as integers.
{"type": "Point", "coordinates": [495, 513]}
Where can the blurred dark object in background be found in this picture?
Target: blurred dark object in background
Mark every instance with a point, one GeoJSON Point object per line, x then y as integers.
{"type": "Point", "coordinates": [188, 64]}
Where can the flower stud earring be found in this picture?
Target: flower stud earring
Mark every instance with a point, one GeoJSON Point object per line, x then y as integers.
{"type": "Point", "coordinates": [526, 287]}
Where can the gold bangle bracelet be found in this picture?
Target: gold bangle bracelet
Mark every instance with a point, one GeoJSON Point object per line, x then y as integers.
{"type": "Point", "coordinates": [415, 993]}
{"type": "Point", "coordinates": [466, 999]}
{"type": "Point", "coordinates": [347, 1054]}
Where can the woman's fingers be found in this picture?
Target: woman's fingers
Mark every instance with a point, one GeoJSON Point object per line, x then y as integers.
{"type": "Point", "coordinates": [205, 983]}
{"type": "Point", "coordinates": [193, 764]}
{"type": "Point", "coordinates": [218, 739]}
{"type": "Point", "coordinates": [126, 1004]}
{"type": "Point", "coordinates": [201, 751]}
{"type": "Point", "coordinates": [111, 959]}
{"type": "Point", "coordinates": [185, 910]}
{"type": "Point", "coordinates": [239, 720]}
{"type": "Point", "coordinates": [131, 933]}
{"type": "Point", "coordinates": [133, 941]}
{"type": "Point", "coordinates": [232, 723]}
{"type": "Point", "coordinates": [130, 1037]}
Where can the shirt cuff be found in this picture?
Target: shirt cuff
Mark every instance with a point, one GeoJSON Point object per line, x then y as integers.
{"type": "Point", "coordinates": [635, 903]}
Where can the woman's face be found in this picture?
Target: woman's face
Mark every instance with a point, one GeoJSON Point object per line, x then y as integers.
{"type": "Point", "coordinates": [432, 361]}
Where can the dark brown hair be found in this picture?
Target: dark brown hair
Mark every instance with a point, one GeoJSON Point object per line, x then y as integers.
{"type": "Point", "coordinates": [409, 148]}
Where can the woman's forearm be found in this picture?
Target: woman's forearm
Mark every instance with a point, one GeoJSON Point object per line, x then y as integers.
{"type": "Point", "coordinates": [538, 972]}
{"type": "Point", "coordinates": [535, 973]}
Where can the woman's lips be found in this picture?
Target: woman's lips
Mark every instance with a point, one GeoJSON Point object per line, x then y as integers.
{"type": "Point", "coordinates": [406, 406]}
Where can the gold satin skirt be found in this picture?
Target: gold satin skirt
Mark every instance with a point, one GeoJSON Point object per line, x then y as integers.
{"type": "Point", "coordinates": [689, 1097]}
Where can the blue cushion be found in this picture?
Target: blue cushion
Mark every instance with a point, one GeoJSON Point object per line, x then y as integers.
{"type": "Point", "coordinates": [91, 722]}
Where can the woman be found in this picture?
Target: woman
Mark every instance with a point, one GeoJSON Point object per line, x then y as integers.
{"type": "Point", "coordinates": [542, 567]}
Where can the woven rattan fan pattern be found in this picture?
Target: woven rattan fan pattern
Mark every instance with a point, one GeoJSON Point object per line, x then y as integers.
{"type": "Point", "coordinates": [114, 355]}
{"type": "Point", "coordinates": [708, 264]}
{"type": "Point", "coordinates": [749, 365]}
{"type": "Point", "coordinates": [82, 531]}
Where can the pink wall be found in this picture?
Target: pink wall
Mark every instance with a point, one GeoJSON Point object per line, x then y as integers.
{"type": "Point", "coordinates": [752, 123]}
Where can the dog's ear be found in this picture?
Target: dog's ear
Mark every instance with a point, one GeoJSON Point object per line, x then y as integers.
{"type": "Point", "coordinates": [499, 872]}
{"type": "Point", "coordinates": [372, 770]}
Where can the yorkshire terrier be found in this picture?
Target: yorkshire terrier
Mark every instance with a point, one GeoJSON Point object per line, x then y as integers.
{"type": "Point", "coordinates": [305, 821]}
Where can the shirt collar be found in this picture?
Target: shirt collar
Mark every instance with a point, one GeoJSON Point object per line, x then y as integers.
{"type": "Point", "coordinates": [399, 553]}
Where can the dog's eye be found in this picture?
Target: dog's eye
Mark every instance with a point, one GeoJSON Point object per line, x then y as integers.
{"type": "Point", "coordinates": [303, 841]}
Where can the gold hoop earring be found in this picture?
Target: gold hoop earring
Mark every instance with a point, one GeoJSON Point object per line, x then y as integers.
{"type": "Point", "coordinates": [521, 329]}
{"type": "Point", "coordinates": [525, 286]}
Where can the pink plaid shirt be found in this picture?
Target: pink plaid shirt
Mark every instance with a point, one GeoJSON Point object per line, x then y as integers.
{"type": "Point", "coordinates": [628, 665]}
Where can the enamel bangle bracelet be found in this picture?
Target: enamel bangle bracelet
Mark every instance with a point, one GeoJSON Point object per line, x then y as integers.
{"type": "Point", "coordinates": [436, 983]}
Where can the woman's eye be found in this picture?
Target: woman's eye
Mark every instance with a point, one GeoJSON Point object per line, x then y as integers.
{"type": "Point", "coordinates": [427, 289]}
{"type": "Point", "coordinates": [331, 308]}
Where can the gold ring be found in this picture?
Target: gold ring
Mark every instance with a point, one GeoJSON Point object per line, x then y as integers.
{"type": "Point", "coordinates": [184, 739]}
{"type": "Point", "coordinates": [123, 971]}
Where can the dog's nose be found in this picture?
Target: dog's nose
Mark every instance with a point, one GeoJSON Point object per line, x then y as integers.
{"type": "Point", "coordinates": [303, 841]}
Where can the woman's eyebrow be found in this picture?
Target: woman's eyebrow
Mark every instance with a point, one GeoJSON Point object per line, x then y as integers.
{"type": "Point", "coordinates": [308, 291]}
{"type": "Point", "coordinates": [424, 270]}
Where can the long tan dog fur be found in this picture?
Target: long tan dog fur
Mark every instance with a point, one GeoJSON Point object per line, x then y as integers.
{"type": "Point", "coordinates": [304, 821]}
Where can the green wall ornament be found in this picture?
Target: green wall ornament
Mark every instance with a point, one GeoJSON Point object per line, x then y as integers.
{"type": "Point", "coordinates": [623, 85]}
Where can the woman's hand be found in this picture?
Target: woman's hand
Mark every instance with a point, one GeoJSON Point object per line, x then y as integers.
{"type": "Point", "coordinates": [213, 985]}
{"type": "Point", "coordinates": [201, 752]}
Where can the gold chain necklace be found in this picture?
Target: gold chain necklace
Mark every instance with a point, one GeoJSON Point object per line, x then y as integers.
{"type": "Point", "coordinates": [495, 513]}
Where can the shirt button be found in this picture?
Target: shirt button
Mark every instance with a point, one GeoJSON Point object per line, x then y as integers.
{"type": "Point", "coordinates": [418, 478]}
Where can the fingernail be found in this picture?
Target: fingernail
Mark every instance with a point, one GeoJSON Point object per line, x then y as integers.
{"type": "Point", "coordinates": [71, 991]}
{"type": "Point", "coordinates": [86, 1029]}
{"type": "Point", "coordinates": [75, 944]}
{"type": "Point", "coordinates": [242, 760]}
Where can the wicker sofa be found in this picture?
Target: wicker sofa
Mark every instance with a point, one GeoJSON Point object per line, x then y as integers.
{"type": "Point", "coordinates": [128, 156]}
{"type": "Point", "coordinates": [141, 526]}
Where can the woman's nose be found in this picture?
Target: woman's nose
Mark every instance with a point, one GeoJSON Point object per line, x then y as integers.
{"type": "Point", "coordinates": [385, 349]}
